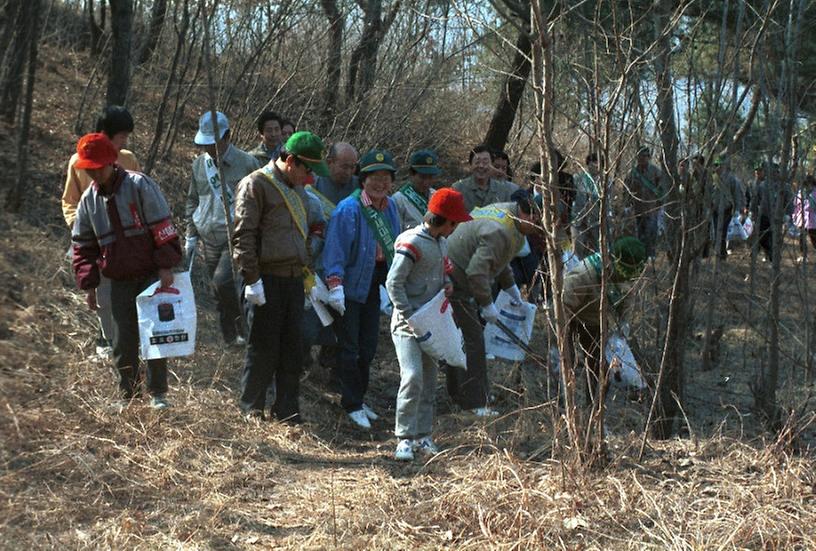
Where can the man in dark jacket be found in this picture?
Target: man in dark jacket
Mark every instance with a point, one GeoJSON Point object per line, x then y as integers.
{"type": "Point", "coordinates": [123, 230]}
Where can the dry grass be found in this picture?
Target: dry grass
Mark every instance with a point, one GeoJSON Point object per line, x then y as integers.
{"type": "Point", "coordinates": [75, 474]}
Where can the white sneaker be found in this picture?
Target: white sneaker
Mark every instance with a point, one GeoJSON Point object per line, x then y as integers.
{"type": "Point", "coordinates": [104, 352]}
{"type": "Point", "coordinates": [370, 413]}
{"type": "Point", "coordinates": [159, 401]}
{"type": "Point", "coordinates": [426, 446]}
{"type": "Point", "coordinates": [360, 419]}
{"type": "Point", "coordinates": [240, 341]}
{"type": "Point", "coordinates": [405, 450]}
{"type": "Point", "coordinates": [484, 412]}
{"type": "Point", "coordinates": [490, 357]}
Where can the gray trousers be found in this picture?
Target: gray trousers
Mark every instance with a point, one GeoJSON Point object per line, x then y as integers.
{"type": "Point", "coordinates": [224, 288]}
{"type": "Point", "coordinates": [417, 392]}
{"type": "Point", "coordinates": [103, 300]}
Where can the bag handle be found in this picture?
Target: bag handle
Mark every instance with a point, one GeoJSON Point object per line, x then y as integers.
{"type": "Point", "coordinates": [168, 290]}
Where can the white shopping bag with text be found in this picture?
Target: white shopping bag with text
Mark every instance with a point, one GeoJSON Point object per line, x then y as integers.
{"type": "Point", "coordinates": [519, 319]}
{"type": "Point", "coordinates": [167, 319]}
{"type": "Point", "coordinates": [437, 333]}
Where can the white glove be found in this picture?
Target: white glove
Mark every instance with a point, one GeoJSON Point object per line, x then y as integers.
{"type": "Point", "coordinates": [337, 299]}
{"type": "Point", "coordinates": [489, 313]}
{"type": "Point", "coordinates": [515, 295]}
{"type": "Point", "coordinates": [254, 293]}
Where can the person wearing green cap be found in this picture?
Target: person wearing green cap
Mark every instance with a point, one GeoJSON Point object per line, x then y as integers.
{"type": "Point", "coordinates": [412, 198]}
{"type": "Point", "coordinates": [582, 299]}
{"type": "Point", "coordinates": [766, 195]}
{"type": "Point", "coordinates": [358, 250]}
{"type": "Point", "coordinates": [270, 248]}
{"type": "Point", "coordinates": [647, 185]}
{"type": "Point", "coordinates": [727, 199]}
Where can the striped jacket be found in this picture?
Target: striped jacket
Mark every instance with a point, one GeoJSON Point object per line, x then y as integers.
{"type": "Point", "coordinates": [125, 233]}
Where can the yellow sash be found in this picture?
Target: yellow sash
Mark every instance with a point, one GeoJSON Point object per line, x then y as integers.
{"type": "Point", "coordinates": [503, 217]}
{"type": "Point", "coordinates": [293, 202]}
{"type": "Point", "coordinates": [328, 206]}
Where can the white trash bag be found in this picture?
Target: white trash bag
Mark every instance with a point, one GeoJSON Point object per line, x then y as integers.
{"type": "Point", "coordinates": [167, 319]}
{"type": "Point", "coordinates": [438, 335]}
{"type": "Point", "coordinates": [623, 369]}
{"type": "Point", "coordinates": [519, 319]}
{"type": "Point", "coordinates": [738, 230]}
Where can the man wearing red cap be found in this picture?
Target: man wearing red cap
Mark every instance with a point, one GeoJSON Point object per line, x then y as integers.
{"type": "Point", "coordinates": [419, 271]}
{"type": "Point", "coordinates": [123, 231]}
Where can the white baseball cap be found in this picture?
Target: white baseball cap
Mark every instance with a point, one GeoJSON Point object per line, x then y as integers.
{"type": "Point", "coordinates": [206, 132]}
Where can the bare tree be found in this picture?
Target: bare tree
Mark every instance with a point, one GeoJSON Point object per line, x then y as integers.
{"type": "Point", "coordinates": [120, 60]}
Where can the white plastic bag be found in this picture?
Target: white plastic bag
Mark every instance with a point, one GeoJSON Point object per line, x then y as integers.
{"type": "Point", "coordinates": [739, 231]}
{"type": "Point", "coordinates": [623, 369]}
{"type": "Point", "coordinates": [570, 260]}
{"type": "Point", "coordinates": [519, 319]}
{"type": "Point", "coordinates": [167, 319]}
{"type": "Point", "coordinates": [439, 337]}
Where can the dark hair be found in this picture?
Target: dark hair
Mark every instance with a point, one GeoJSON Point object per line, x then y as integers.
{"type": "Point", "coordinates": [284, 154]}
{"type": "Point", "coordinates": [434, 220]}
{"type": "Point", "coordinates": [481, 148]}
{"type": "Point", "coordinates": [525, 200]}
{"type": "Point", "coordinates": [502, 155]}
{"type": "Point", "coordinates": [114, 119]}
{"type": "Point", "coordinates": [284, 122]}
{"type": "Point", "coordinates": [591, 158]}
{"type": "Point", "coordinates": [267, 116]}
{"type": "Point", "coordinates": [535, 170]}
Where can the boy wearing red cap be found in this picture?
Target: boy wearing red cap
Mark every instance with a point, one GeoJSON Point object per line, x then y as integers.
{"type": "Point", "coordinates": [123, 231]}
{"type": "Point", "coordinates": [419, 271]}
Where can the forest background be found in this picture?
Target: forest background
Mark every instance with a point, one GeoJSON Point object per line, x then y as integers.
{"type": "Point", "coordinates": [717, 454]}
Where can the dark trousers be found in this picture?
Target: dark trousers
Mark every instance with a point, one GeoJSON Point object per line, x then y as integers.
{"type": "Point", "coordinates": [274, 348]}
{"type": "Point", "coordinates": [646, 231]}
{"type": "Point", "coordinates": [720, 231]}
{"type": "Point", "coordinates": [224, 288]}
{"type": "Point", "coordinates": [126, 340]}
{"type": "Point", "coordinates": [766, 236]}
{"type": "Point", "coordinates": [586, 338]}
{"type": "Point", "coordinates": [357, 332]}
{"type": "Point", "coordinates": [807, 234]}
{"type": "Point", "coordinates": [469, 387]}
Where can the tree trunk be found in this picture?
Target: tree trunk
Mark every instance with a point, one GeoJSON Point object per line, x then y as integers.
{"type": "Point", "coordinates": [14, 62]}
{"type": "Point", "coordinates": [363, 64]}
{"type": "Point", "coordinates": [181, 37]}
{"type": "Point", "coordinates": [157, 14]}
{"type": "Point", "coordinates": [97, 30]}
{"type": "Point", "coordinates": [119, 73]}
{"type": "Point", "coordinates": [32, 28]}
{"type": "Point", "coordinates": [510, 96]}
{"type": "Point", "coordinates": [334, 60]}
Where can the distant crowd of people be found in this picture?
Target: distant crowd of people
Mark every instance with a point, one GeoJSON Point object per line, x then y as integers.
{"type": "Point", "coordinates": [300, 216]}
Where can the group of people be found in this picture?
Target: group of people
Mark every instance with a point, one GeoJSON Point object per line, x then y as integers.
{"type": "Point", "coordinates": [292, 223]}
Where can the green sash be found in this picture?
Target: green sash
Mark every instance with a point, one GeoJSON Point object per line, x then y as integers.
{"type": "Point", "coordinates": [379, 225]}
{"type": "Point", "coordinates": [646, 182]}
{"type": "Point", "coordinates": [589, 185]}
{"type": "Point", "coordinates": [328, 206]}
{"type": "Point", "coordinates": [492, 212]}
{"type": "Point", "coordinates": [293, 202]}
{"type": "Point", "coordinates": [415, 198]}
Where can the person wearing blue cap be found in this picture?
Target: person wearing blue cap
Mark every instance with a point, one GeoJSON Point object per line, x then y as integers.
{"type": "Point", "coordinates": [412, 198]}
{"type": "Point", "coordinates": [206, 220]}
